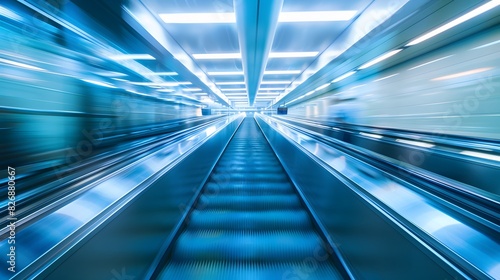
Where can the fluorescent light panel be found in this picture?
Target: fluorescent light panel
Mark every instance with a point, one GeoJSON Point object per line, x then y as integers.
{"type": "Point", "coordinates": [98, 83]}
{"type": "Point", "coordinates": [481, 155]}
{"type": "Point", "coordinates": [462, 74]}
{"type": "Point", "coordinates": [191, 89]}
{"type": "Point", "coordinates": [19, 64]}
{"type": "Point", "coordinates": [415, 143]}
{"type": "Point", "coordinates": [166, 90]}
{"type": "Point", "coordinates": [322, 87]}
{"type": "Point", "coordinates": [476, 12]}
{"type": "Point", "coordinates": [132, 57]}
{"type": "Point", "coordinates": [348, 74]}
{"type": "Point", "coordinates": [380, 58]}
{"type": "Point", "coordinates": [386, 77]}
{"type": "Point", "coordinates": [376, 136]}
{"type": "Point", "coordinates": [9, 14]}
{"type": "Point", "coordinates": [427, 63]}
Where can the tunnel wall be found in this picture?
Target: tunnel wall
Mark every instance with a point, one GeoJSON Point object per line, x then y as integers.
{"type": "Point", "coordinates": [422, 95]}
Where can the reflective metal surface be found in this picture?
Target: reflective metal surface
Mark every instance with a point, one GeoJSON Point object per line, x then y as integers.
{"type": "Point", "coordinates": [49, 236]}
{"type": "Point", "coordinates": [451, 234]}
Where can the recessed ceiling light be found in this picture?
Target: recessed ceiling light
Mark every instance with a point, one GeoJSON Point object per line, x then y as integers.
{"type": "Point", "coordinates": [132, 57]}
{"type": "Point", "coordinates": [166, 90]}
{"type": "Point", "coordinates": [380, 58]}
{"type": "Point", "coordinates": [348, 74]}
{"type": "Point", "coordinates": [191, 89]}
{"type": "Point", "coordinates": [316, 16]}
{"type": "Point", "coordinates": [482, 9]}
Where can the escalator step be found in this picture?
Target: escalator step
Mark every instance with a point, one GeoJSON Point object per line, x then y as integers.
{"type": "Point", "coordinates": [255, 246]}
{"type": "Point", "coordinates": [310, 269]}
{"type": "Point", "coordinates": [255, 203]}
{"type": "Point", "coordinates": [250, 220]}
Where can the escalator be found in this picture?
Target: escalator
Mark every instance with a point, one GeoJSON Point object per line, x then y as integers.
{"type": "Point", "coordinates": [249, 222]}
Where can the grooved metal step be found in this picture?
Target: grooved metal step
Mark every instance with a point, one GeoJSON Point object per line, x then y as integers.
{"type": "Point", "coordinates": [249, 223]}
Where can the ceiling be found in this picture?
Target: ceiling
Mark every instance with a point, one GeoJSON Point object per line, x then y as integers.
{"type": "Point", "coordinates": [249, 54]}
{"type": "Point", "coordinates": [312, 37]}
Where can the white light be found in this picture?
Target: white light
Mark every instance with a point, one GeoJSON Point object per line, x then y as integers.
{"type": "Point", "coordinates": [230, 83]}
{"type": "Point", "coordinates": [358, 86]}
{"type": "Point", "coordinates": [160, 74]}
{"type": "Point", "coordinates": [191, 89]}
{"type": "Point", "coordinates": [274, 82]}
{"type": "Point", "coordinates": [9, 14]}
{"type": "Point", "coordinates": [481, 155]}
{"type": "Point", "coordinates": [312, 91]}
{"type": "Point", "coordinates": [348, 74]}
{"type": "Point", "coordinates": [462, 74]}
{"type": "Point", "coordinates": [292, 54]}
{"type": "Point", "coordinates": [165, 90]}
{"type": "Point", "coordinates": [217, 56]}
{"type": "Point", "coordinates": [132, 57]}
{"type": "Point", "coordinates": [238, 55]}
{"type": "Point", "coordinates": [418, 66]}
{"type": "Point", "coordinates": [121, 80]}
{"type": "Point", "coordinates": [386, 77]}
{"type": "Point", "coordinates": [226, 73]}
{"type": "Point", "coordinates": [415, 143]}
{"type": "Point", "coordinates": [98, 83]}
{"type": "Point", "coordinates": [165, 84]}
{"type": "Point", "coordinates": [233, 89]}
{"type": "Point", "coordinates": [486, 45]}
{"type": "Point", "coordinates": [280, 89]}
{"type": "Point", "coordinates": [322, 86]}
{"type": "Point", "coordinates": [380, 58]}
{"type": "Point", "coordinates": [199, 18]}
{"type": "Point", "coordinates": [316, 16]}
{"type": "Point", "coordinates": [484, 8]}
{"type": "Point", "coordinates": [110, 74]}
{"type": "Point", "coordinates": [371, 135]}
{"type": "Point", "coordinates": [22, 65]}
{"type": "Point", "coordinates": [282, 72]}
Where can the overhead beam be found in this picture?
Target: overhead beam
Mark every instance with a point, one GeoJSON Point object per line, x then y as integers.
{"type": "Point", "coordinates": [256, 24]}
